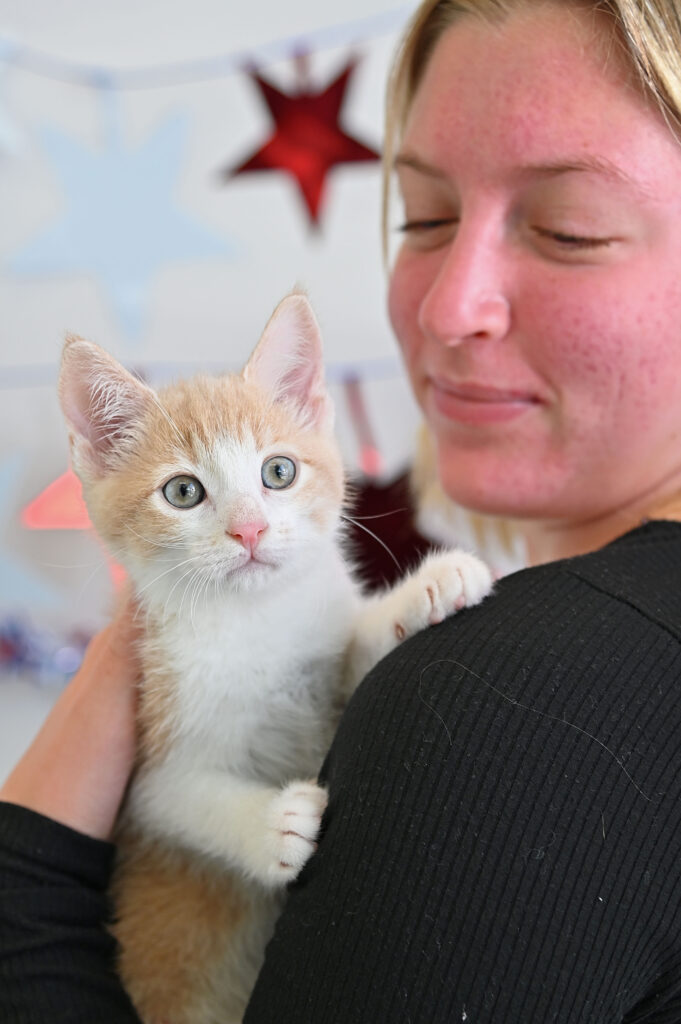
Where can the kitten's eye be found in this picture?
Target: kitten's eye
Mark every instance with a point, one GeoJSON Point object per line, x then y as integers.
{"type": "Point", "coordinates": [278, 472]}
{"type": "Point", "coordinates": [184, 492]}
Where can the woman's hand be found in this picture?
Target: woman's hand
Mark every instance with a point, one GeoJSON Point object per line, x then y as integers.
{"type": "Point", "coordinates": [78, 766]}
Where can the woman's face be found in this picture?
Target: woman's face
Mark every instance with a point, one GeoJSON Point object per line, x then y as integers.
{"type": "Point", "coordinates": [537, 292]}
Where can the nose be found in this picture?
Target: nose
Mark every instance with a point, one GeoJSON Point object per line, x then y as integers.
{"type": "Point", "coordinates": [248, 532]}
{"type": "Point", "coordinates": [467, 298]}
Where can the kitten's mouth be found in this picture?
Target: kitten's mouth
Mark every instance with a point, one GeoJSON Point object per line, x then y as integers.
{"type": "Point", "coordinates": [249, 564]}
{"type": "Point", "coordinates": [252, 563]}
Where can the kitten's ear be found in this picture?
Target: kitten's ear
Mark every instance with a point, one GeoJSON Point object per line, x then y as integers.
{"type": "Point", "coordinates": [103, 405]}
{"type": "Point", "coordinates": [288, 361]}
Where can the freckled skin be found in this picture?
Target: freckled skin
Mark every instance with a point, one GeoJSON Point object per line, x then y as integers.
{"type": "Point", "coordinates": [594, 333]}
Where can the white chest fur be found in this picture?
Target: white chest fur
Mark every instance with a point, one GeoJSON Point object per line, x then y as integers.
{"type": "Point", "coordinates": [254, 676]}
{"type": "Point", "coordinates": [251, 684]}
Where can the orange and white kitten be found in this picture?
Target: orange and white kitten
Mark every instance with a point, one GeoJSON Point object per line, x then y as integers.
{"type": "Point", "coordinates": [222, 498]}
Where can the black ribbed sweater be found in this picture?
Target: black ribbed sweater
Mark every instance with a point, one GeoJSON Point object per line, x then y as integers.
{"type": "Point", "coordinates": [503, 838]}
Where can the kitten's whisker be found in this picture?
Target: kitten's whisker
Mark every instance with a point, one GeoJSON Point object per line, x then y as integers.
{"type": "Point", "coordinates": [70, 565]}
{"type": "Point", "coordinates": [184, 589]}
{"type": "Point", "coordinates": [175, 584]}
{"type": "Point", "coordinates": [147, 540]}
{"type": "Point", "coordinates": [139, 610]}
{"type": "Point", "coordinates": [195, 585]}
{"type": "Point", "coordinates": [175, 565]}
{"type": "Point", "coordinates": [196, 590]}
{"type": "Point", "coordinates": [360, 526]}
{"type": "Point", "coordinates": [203, 589]}
{"type": "Point", "coordinates": [192, 576]}
{"type": "Point", "coordinates": [90, 578]}
{"type": "Point", "coordinates": [207, 580]}
{"type": "Point", "coordinates": [380, 515]}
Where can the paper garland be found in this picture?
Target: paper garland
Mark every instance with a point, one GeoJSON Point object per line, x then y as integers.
{"type": "Point", "coordinates": [348, 33]}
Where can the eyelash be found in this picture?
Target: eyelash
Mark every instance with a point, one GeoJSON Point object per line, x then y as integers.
{"type": "Point", "coordinates": [567, 241]}
{"type": "Point", "coordinates": [425, 225]}
{"type": "Point", "coordinates": [573, 241]}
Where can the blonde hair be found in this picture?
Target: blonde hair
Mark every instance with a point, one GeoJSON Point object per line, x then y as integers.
{"type": "Point", "coordinates": [649, 32]}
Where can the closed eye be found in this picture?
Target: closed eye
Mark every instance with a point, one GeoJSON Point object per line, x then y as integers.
{"type": "Point", "coordinates": [574, 241]}
{"type": "Point", "coordinates": [425, 225]}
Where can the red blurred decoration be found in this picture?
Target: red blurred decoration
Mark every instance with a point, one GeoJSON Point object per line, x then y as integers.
{"type": "Point", "coordinates": [61, 507]}
{"type": "Point", "coordinates": [307, 140]}
{"type": "Point", "coordinates": [370, 458]}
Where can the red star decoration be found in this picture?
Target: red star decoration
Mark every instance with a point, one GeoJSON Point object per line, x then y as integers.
{"type": "Point", "coordinates": [61, 507]}
{"type": "Point", "coordinates": [307, 141]}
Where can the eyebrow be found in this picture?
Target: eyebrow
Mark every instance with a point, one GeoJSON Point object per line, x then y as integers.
{"type": "Point", "coordinates": [585, 165]}
{"type": "Point", "coordinates": [412, 161]}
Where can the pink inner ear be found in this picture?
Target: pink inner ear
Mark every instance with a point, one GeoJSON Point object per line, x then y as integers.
{"type": "Point", "coordinates": [288, 358]}
{"type": "Point", "coordinates": [77, 405]}
{"type": "Point", "coordinates": [302, 377]}
{"type": "Point", "coordinates": [102, 402]}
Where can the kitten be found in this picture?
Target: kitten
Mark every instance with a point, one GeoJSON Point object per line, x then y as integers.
{"type": "Point", "coordinates": [222, 497]}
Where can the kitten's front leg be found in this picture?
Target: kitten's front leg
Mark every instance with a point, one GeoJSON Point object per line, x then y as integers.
{"type": "Point", "coordinates": [293, 818]}
{"type": "Point", "coordinates": [444, 583]}
{"type": "Point", "coordinates": [265, 833]}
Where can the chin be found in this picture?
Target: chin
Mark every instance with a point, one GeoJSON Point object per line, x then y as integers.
{"type": "Point", "coordinates": [499, 488]}
{"type": "Point", "coordinates": [251, 576]}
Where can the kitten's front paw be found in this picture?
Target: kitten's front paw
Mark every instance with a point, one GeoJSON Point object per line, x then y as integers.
{"type": "Point", "coordinates": [443, 584]}
{"type": "Point", "coordinates": [294, 819]}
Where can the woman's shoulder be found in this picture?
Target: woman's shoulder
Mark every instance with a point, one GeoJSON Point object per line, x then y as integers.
{"type": "Point", "coordinates": [609, 604]}
{"type": "Point", "coordinates": [589, 647]}
{"type": "Point", "coordinates": [641, 569]}
{"type": "Point", "coordinates": [568, 672]}
{"type": "Point", "coordinates": [579, 618]}
{"type": "Point", "coordinates": [523, 758]}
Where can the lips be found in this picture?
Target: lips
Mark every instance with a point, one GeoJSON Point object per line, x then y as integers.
{"type": "Point", "coordinates": [474, 403]}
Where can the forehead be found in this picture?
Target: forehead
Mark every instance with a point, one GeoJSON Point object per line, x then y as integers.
{"type": "Point", "coordinates": [544, 83]}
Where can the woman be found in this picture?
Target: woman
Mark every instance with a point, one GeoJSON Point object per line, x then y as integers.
{"type": "Point", "coordinates": [503, 840]}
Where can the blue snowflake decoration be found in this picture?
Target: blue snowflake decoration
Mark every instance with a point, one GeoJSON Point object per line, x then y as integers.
{"type": "Point", "coordinates": [122, 222]}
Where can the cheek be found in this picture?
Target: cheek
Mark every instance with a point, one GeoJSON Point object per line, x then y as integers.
{"type": "Point", "coordinates": [605, 339]}
{"type": "Point", "coordinates": [655, 338]}
{"type": "Point", "coordinates": [611, 350]}
{"type": "Point", "coordinates": [408, 285]}
{"type": "Point", "coordinates": [399, 298]}
{"type": "Point", "coordinates": [151, 533]}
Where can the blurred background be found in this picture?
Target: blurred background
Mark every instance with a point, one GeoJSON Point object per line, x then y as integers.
{"type": "Point", "coordinates": [168, 172]}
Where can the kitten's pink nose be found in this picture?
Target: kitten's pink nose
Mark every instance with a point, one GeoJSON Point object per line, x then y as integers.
{"type": "Point", "coordinates": [248, 533]}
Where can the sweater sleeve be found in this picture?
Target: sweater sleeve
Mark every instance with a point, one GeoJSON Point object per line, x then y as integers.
{"type": "Point", "coordinates": [56, 955]}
